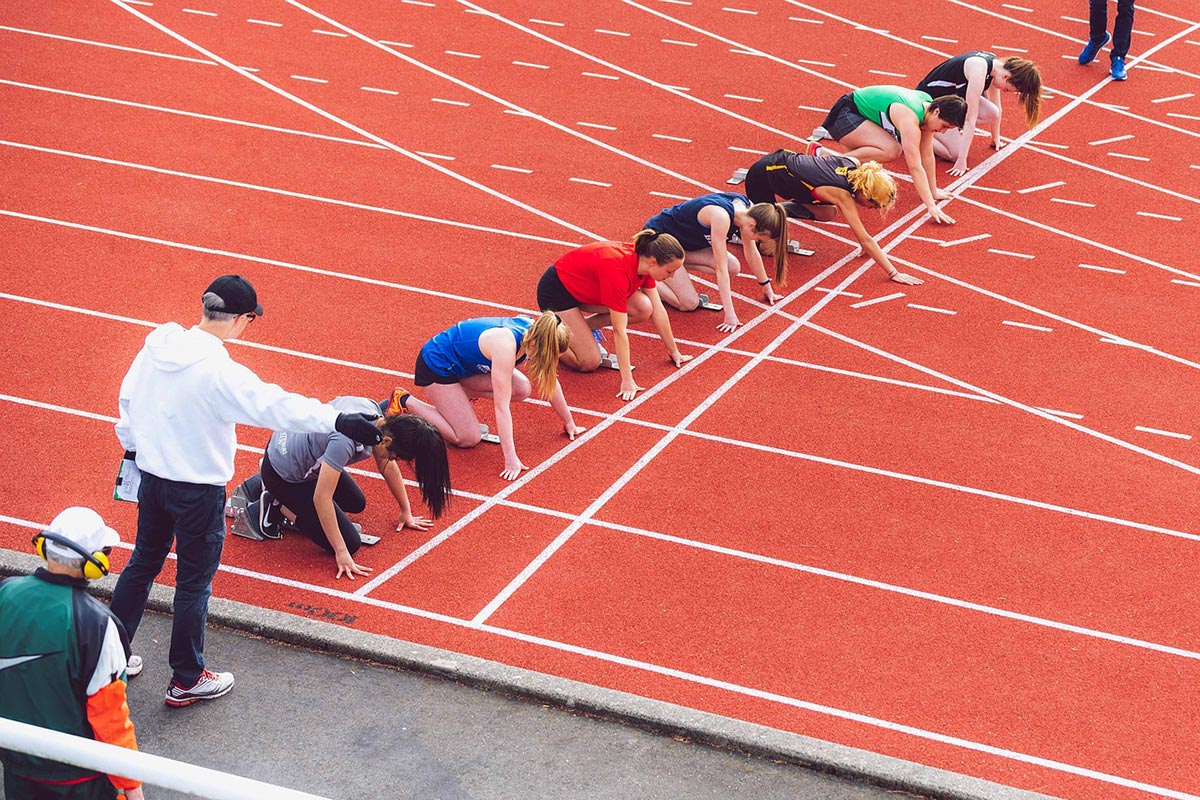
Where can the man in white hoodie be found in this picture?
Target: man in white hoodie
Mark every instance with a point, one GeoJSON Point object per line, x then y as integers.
{"type": "Point", "coordinates": [179, 404]}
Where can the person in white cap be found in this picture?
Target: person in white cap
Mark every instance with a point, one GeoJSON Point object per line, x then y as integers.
{"type": "Point", "coordinates": [62, 661]}
{"type": "Point", "coordinates": [179, 404]}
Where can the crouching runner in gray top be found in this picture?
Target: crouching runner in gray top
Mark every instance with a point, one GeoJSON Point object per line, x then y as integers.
{"type": "Point", "coordinates": [179, 404]}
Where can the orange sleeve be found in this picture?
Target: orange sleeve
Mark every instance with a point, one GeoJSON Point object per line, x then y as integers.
{"type": "Point", "coordinates": [108, 714]}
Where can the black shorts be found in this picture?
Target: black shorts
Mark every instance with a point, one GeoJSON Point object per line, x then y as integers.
{"type": "Point", "coordinates": [423, 374]}
{"type": "Point", "coordinates": [764, 185]}
{"type": "Point", "coordinates": [843, 118]}
{"type": "Point", "coordinates": [552, 295]}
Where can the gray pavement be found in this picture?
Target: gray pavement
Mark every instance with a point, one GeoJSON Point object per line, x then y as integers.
{"type": "Point", "coordinates": [348, 714]}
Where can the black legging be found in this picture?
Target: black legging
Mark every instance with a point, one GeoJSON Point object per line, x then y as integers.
{"type": "Point", "coordinates": [298, 497]}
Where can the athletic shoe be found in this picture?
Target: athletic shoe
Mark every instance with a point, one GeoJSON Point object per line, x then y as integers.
{"type": "Point", "coordinates": [818, 134]}
{"type": "Point", "coordinates": [134, 667]}
{"type": "Point", "coordinates": [1092, 49]}
{"type": "Point", "coordinates": [270, 516]}
{"type": "Point", "coordinates": [1118, 69]}
{"type": "Point", "coordinates": [209, 686]}
{"type": "Point", "coordinates": [399, 401]}
{"type": "Point", "coordinates": [599, 335]}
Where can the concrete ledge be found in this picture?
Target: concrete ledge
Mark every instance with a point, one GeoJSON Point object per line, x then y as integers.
{"type": "Point", "coordinates": [699, 726]}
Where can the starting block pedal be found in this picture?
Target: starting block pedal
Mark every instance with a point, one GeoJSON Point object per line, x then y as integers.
{"type": "Point", "coordinates": [368, 539]}
{"type": "Point", "coordinates": [707, 306]}
{"type": "Point", "coordinates": [737, 177]}
{"type": "Point", "coordinates": [794, 247]}
{"type": "Point", "coordinates": [609, 361]}
{"type": "Point", "coordinates": [490, 438]}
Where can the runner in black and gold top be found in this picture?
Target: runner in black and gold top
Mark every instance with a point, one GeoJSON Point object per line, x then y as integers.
{"type": "Point", "coordinates": [817, 187]}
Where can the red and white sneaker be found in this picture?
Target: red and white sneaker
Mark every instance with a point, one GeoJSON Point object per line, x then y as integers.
{"type": "Point", "coordinates": [209, 686]}
{"type": "Point", "coordinates": [134, 667]}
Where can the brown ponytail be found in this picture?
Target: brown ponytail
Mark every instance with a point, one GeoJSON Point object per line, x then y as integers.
{"type": "Point", "coordinates": [662, 247]}
{"type": "Point", "coordinates": [772, 218]}
{"type": "Point", "coordinates": [546, 339]}
{"type": "Point", "coordinates": [1024, 76]}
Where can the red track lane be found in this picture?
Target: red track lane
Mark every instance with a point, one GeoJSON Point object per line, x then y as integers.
{"type": "Point", "coordinates": [870, 651]}
{"type": "Point", "coordinates": [1095, 703]}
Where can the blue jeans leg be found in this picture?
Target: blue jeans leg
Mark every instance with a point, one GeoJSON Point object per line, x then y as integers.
{"type": "Point", "coordinates": [1122, 28]}
{"type": "Point", "coordinates": [199, 539]}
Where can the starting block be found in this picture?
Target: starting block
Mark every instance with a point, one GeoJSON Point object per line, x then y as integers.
{"type": "Point", "coordinates": [609, 361]}
{"type": "Point", "coordinates": [737, 177]}
{"type": "Point", "coordinates": [707, 306]}
{"type": "Point", "coordinates": [368, 539]}
{"type": "Point", "coordinates": [793, 246]}
{"type": "Point", "coordinates": [490, 438]}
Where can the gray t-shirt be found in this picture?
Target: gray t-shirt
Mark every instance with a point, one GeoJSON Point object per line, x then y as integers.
{"type": "Point", "coordinates": [297, 457]}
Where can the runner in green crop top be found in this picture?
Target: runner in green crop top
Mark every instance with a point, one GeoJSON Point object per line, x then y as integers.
{"type": "Point", "coordinates": [881, 123]}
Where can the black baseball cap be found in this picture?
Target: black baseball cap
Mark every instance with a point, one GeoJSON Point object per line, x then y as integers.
{"type": "Point", "coordinates": [237, 293]}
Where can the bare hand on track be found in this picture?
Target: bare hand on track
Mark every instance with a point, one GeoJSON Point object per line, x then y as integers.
{"type": "Point", "coordinates": [511, 470]}
{"type": "Point", "coordinates": [346, 564]}
{"type": "Point", "coordinates": [416, 523]}
{"type": "Point", "coordinates": [728, 325]}
{"type": "Point", "coordinates": [630, 390]}
{"type": "Point", "coordinates": [908, 280]}
{"type": "Point", "coordinates": [941, 217]}
{"type": "Point", "coordinates": [573, 432]}
{"type": "Point", "coordinates": [679, 359]}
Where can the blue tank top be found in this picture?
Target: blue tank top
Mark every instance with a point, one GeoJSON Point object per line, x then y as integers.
{"type": "Point", "coordinates": [680, 221]}
{"type": "Point", "coordinates": [455, 351]}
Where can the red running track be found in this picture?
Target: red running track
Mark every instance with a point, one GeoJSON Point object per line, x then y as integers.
{"type": "Point", "coordinates": [953, 523]}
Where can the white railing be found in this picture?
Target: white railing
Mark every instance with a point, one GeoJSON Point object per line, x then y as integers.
{"type": "Point", "coordinates": [150, 769]}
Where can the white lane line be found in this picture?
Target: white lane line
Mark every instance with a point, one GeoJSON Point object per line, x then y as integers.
{"type": "Point", "coordinates": [1113, 139]}
{"type": "Point", "coordinates": [934, 309]}
{"type": "Point", "coordinates": [308, 79]}
{"type": "Point", "coordinates": [1057, 413]}
{"type": "Point", "coordinates": [975, 238]}
{"type": "Point", "coordinates": [438, 156]}
{"type": "Point", "coordinates": [742, 97]}
{"type": "Point", "coordinates": [818, 109]}
{"type": "Point", "coordinates": [198, 11]}
{"type": "Point", "coordinates": [599, 75]}
{"type": "Point", "coordinates": [395, 44]}
{"type": "Point", "coordinates": [670, 196]}
{"type": "Point", "coordinates": [912, 237]}
{"type": "Point", "coordinates": [327, 33]}
{"type": "Point", "coordinates": [940, 39]}
{"type": "Point", "coordinates": [681, 43]}
{"type": "Point", "coordinates": [992, 189]}
{"type": "Point", "coordinates": [418, 3]}
{"type": "Point", "coordinates": [1182, 116]}
{"type": "Point", "coordinates": [444, 101]}
{"type": "Point", "coordinates": [1000, 48]}
{"type": "Point", "coordinates": [461, 54]}
{"type": "Point", "coordinates": [1065, 201]}
{"type": "Point", "coordinates": [612, 33]}
{"type": "Point", "coordinates": [815, 64]}
{"type": "Point", "coordinates": [596, 125]}
{"type": "Point", "coordinates": [1186, 283]}
{"type": "Point", "coordinates": [875, 300]}
{"type": "Point", "coordinates": [1048, 144]}
{"type": "Point", "coordinates": [1010, 253]}
{"type": "Point", "coordinates": [1159, 216]}
{"type": "Point", "coordinates": [747, 150]}
{"type": "Point", "coordinates": [670, 138]}
{"type": "Point", "coordinates": [807, 21]}
{"type": "Point", "coordinates": [1170, 434]}
{"type": "Point", "coordinates": [377, 90]}
{"type": "Point", "coordinates": [1027, 326]}
{"type": "Point", "coordinates": [547, 22]}
{"type": "Point", "coordinates": [591, 182]}
{"type": "Point", "coordinates": [1041, 187]}
{"type": "Point", "coordinates": [512, 169]}
{"type": "Point", "coordinates": [739, 11]}
{"type": "Point", "coordinates": [835, 291]}
{"type": "Point", "coordinates": [94, 43]}
{"type": "Point", "coordinates": [1099, 268]}
{"type": "Point", "coordinates": [887, 74]}
{"type": "Point", "coordinates": [531, 65]}
{"type": "Point", "coordinates": [265, 22]}
{"type": "Point", "coordinates": [1172, 98]}
{"type": "Point", "coordinates": [1016, 8]}
{"type": "Point", "coordinates": [165, 110]}
{"type": "Point", "coordinates": [1127, 156]}
{"type": "Point", "coordinates": [139, 2]}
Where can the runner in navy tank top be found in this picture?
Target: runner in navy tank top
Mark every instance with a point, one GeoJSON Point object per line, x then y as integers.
{"type": "Point", "coordinates": [705, 226]}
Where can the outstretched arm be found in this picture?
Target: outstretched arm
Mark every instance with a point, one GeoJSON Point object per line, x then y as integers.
{"type": "Point", "coordinates": [662, 324]}
{"type": "Point", "coordinates": [392, 476]}
{"type": "Point", "coordinates": [975, 69]}
{"type": "Point", "coordinates": [845, 202]}
{"type": "Point", "coordinates": [502, 350]}
{"type": "Point", "coordinates": [918, 154]}
{"type": "Point", "coordinates": [718, 223]}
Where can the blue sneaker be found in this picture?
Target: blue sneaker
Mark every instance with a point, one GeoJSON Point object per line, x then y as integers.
{"type": "Point", "coordinates": [1118, 69]}
{"type": "Point", "coordinates": [1092, 49]}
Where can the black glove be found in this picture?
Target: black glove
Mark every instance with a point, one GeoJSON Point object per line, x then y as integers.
{"type": "Point", "coordinates": [130, 455]}
{"type": "Point", "coordinates": [359, 427]}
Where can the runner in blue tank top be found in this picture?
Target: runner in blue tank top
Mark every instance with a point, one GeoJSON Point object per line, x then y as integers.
{"type": "Point", "coordinates": [478, 358]}
{"type": "Point", "coordinates": [704, 226]}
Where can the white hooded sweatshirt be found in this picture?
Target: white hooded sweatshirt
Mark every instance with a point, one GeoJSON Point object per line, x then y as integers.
{"type": "Point", "coordinates": [182, 397]}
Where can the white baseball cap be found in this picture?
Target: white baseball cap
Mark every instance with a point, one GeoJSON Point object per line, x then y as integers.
{"type": "Point", "coordinates": [84, 527]}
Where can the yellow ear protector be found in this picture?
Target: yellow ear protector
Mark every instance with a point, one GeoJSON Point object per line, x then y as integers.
{"type": "Point", "coordinates": [95, 565]}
